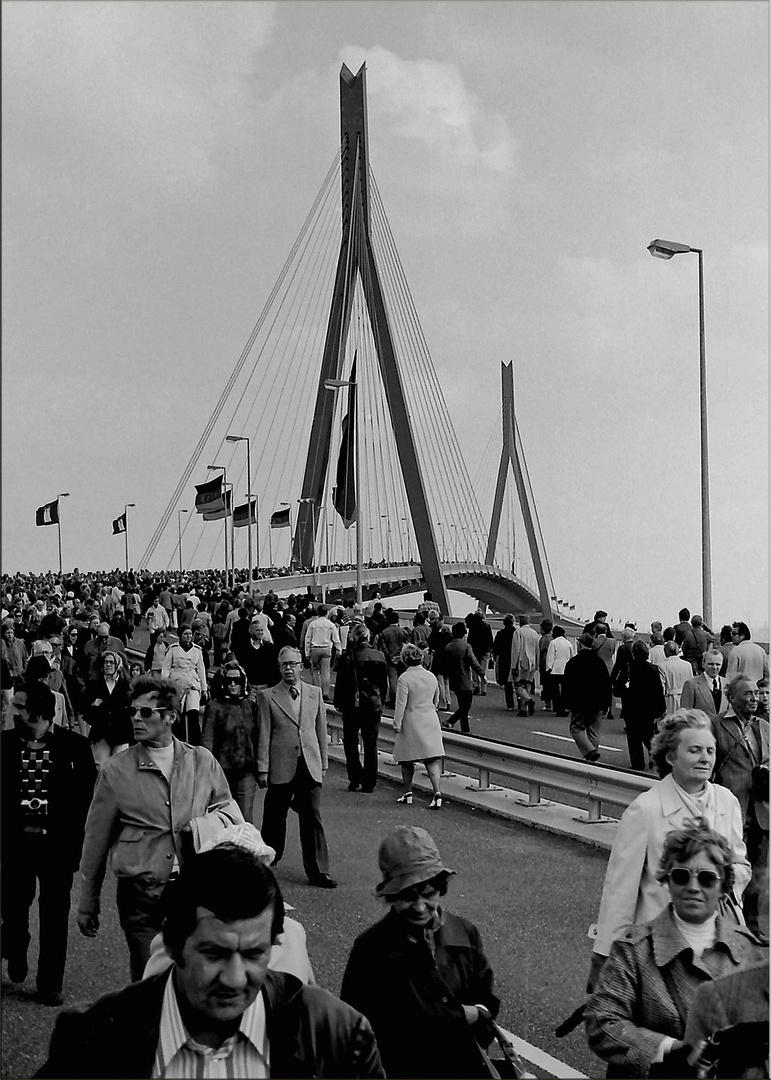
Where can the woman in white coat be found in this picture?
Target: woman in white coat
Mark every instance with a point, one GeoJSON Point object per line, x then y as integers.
{"type": "Point", "coordinates": [417, 726]}
{"type": "Point", "coordinates": [684, 751]}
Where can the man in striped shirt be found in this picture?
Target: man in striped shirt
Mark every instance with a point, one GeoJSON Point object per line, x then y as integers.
{"type": "Point", "coordinates": [219, 1011]}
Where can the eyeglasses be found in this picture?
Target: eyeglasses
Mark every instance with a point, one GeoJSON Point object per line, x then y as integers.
{"type": "Point", "coordinates": [289, 663]}
{"type": "Point", "coordinates": [233, 682]}
{"type": "Point", "coordinates": [144, 711]}
{"type": "Point", "coordinates": [681, 875]}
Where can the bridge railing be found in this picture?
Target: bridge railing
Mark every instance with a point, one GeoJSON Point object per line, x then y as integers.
{"type": "Point", "coordinates": [599, 785]}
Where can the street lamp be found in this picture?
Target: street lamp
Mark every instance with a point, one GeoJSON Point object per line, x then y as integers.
{"type": "Point", "coordinates": [179, 532]}
{"type": "Point", "coordinates": [237, 439]}
{"type": "Point", "coordinates": [338, 384]}
{"type": "Point", "coordinates": [212, 468]}
{"type": "Point", "coordinates": [61, 495]}
{"type": "Point", "coordinates": [666, 249]}
{"type": "Point", "coordinates": [125, 535]}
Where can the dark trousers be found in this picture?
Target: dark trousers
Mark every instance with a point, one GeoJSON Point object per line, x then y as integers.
{"type": "Point", "coordinates": [638, 740]}
{"type": "Point", "coordinates": [465, 698]}
{"type": "Point", "coordinates": [35, 862]}
{"type": "Point", "coordinates": [303, 795]}
{"type": "Point", "coordinates": [556, 695]}
{"type": "Point", "coordinates": [757, 853]}
{"type": "Point", "coordinates": [508, 693]}
{"type": "Point", "coordinates": [141, 914]}
{"type": "Point", "coordinates": [367, 724]}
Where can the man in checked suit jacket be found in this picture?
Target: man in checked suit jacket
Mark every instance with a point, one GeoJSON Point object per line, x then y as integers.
{"type": "Point", "coordinates": [291, 762]}
{"type": "Point", "coordinates": [699, 692]}
{"type": "Point", "coordinates": [741, 765]}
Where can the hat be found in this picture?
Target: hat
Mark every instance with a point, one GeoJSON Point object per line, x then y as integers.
{"type": "Point", "coordinates": [407, 856]}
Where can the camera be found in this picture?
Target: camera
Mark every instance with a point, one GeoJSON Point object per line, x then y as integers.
{"type": "Point", "coordinates": [35, 804]}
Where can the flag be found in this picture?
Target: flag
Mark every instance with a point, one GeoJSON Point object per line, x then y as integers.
{"type": "Point", "coordinates": [214, 513]}
{"type": "Point", "coordinates": [48, 514]}
{"type": "Point", "coordinates": [208, 496]}
{"type": "Point", "coordinates": [280, 520]}
{"type": "Point", "coordinates": [344, 494]}
{"type": "Point", "coordinates": [119, 524]}
{"type": "Point", "coordinates": [241, 514]}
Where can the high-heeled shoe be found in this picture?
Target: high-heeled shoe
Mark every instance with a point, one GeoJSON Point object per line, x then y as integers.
{"type": "Point", "coordinates": [436, 802]}
{"type": "Point", "coordinates": [406, 798]}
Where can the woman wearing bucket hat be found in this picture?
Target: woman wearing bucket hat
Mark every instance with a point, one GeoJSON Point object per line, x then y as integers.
{"type": "Point", "coordinates": [420, 975]}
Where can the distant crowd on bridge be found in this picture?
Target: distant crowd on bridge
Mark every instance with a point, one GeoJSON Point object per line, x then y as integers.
{"type": "Point", "coordinates": [149, 759]}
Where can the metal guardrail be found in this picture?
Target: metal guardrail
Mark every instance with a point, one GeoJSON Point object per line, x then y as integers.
{"type": "Point", "coordinates": [598, 784]}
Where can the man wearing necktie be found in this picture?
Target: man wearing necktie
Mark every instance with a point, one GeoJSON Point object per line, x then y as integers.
{"type": "Point", "coordinates": [291, 762]}
{"type": "Point", "coordinates": [708, 690]}
{"type": "Point", "coordinates": [741, 765]}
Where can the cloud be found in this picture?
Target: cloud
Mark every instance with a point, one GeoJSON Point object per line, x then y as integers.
{"type": "Point", "coordinates": [153, 91]}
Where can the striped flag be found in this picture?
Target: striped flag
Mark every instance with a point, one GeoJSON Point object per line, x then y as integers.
{"type": "Point", "coordinates": [209, 496]}
{"type": "Point", "coordinates": [344, 494]}
{"type": "Point", "coordinates": [48, 514]}
{"type": "Point", "coordinates": [218, 513]}
{"type": "Point", "coordinates": [280, 520]}
{"type": "Point", "coordinates": [241, 514]}
{"type": "Point", "coordinates": [119, 524]}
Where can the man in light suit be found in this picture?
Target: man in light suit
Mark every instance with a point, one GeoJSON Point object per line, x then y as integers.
{"type": "Point", "coordinates": [708, 690]}
{"type": "Point", "coordinates": [291, 762]}
{"type": "Point", "coordinates": [741, 765]}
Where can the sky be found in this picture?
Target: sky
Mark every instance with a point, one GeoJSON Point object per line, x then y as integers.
{"type": "Point", "coordinates": [159, 160]}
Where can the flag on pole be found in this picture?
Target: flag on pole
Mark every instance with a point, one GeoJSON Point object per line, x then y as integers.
{"type": "Point", "coordinates": [344, 494]}
{"type": "Point", "coordinates": [280, 520]}
{"type": "Point", "coordinates": [241, 514]}
{"type": "Point", "coordinates": [209, 497]}
{"type": "Point", "coordinates": [119, 524]}
{"type": "Point", "coordinates": [48, 514]}
{"type": "Point", "coordinates": [217, 514]}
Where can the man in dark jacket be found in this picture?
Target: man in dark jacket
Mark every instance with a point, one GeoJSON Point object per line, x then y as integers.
{"type": "Point", "coordinates": [361, 686]}
{"type": "Point", "coordinates": [48, 776]}
{"type": "Point", "coordinates": [644, 705]}
{"type": "Point", "coordinates": [480, 638]}
{"type": "Point", "coordinates": [224, 913]}
{"type": "Point", "coordinates": [586, 692]}
{"type": "Point", "coordinates": [459, 662]}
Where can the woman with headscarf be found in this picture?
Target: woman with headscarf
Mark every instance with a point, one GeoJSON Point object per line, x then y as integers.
{"type": "Point", "coordinates": [417, 726]}
{"type": "Point", "coordinates": [105, 708]}
{"type": "Point", "coordinates": [420, 975]}
{"type": "Point", "coordinates": [230, 733]}
{"type": "Point", "coordinates": [644, 705]}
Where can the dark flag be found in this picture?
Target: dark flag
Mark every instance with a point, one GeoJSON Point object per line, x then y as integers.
{"type": "Point", "coordinates": [214, 513]}
{"type": "Point", "coordinates": [208, 496]}
{"type": "Point", "coordinates": [241, 514]}
{"type": "Point", "coordinates": [119, 524]}
{"type": "Point", "coordinates": [48, 514]}
{"type": "Point", "coordinates": [280, 520]}
{"type": "Point", "coordinates": [344, 494]}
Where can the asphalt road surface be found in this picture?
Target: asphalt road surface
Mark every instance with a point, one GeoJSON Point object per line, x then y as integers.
{"type": "Point", "coordinates": [533, 896]}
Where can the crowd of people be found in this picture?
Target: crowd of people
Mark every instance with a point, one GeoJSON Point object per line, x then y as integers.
{"type": "Point", "coordinates": [151, 766]}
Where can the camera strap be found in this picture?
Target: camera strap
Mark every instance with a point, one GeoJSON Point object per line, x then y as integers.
{"type": "Point", "coordinates": [35, 767]}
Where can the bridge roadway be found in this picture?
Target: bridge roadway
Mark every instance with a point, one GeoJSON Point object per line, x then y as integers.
{"type": "Point", "coordinates": [532, 895]}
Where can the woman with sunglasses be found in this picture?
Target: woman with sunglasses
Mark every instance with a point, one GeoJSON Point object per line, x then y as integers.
{"type": "Point", "coordinates": [636, 1017]}
{"type": "Point", "coordinates": [230, 732]}
{"type": "Point", "coordinates": [684, 753]}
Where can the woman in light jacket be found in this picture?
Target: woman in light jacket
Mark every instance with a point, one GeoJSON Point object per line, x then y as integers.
{"type": "Point", "coordinates": [416, 723]}
{"type": "Point", "coordinates": [684, 752]}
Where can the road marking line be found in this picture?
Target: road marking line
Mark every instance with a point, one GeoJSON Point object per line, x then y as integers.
{"type": "Point", "coordinates": [564, 738]}
{"type": "Point", "coordinates": [539, 1057]}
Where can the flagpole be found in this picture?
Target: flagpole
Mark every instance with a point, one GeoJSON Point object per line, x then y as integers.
{"type": "Point", "coordinates": [225, 499]}
{"type": "Point", "coordinates": [232, 535]}
{"type": "Point", "coordinates": [359, 499]}
{"type": "Point", "coordinates": [270, 544]}
{"type": "Point", "coordinates": [125, 518]}
{"type": "Point", "coordinates": [61, 495]}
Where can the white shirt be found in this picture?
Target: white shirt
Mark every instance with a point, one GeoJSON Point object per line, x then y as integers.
{"type": "Point", "coordinates": [322, 634]}
{"type": "Point", "coordinates": [245, 1054]}
{"type": "Point", "coordinates": [557, 655]}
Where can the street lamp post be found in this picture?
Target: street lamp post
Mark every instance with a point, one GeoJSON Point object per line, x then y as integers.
{"type": "Point", "coordinates": [401, 546]}
{"type": "Point", "coordinates": [61, 495]}
{"type": "Point", "coordinates": [179, 532]}
{"type": "Point", "coordinates": [245, 439]}
{"type": "Point", "coordinates": [666, 249]}
{"type": "Point", "coordinates": [336, 384]}
{"type": "Point", "coordinates": [212, 468]}
{"type": "Point", "coordinates": [388, 538]}
{"type": "Point", "coordinates": [125, 535]}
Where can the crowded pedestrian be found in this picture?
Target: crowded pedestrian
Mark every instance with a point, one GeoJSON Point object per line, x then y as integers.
{"type": "Point", "coordinates": [459, 663]}
{"type": "Point", "coordinates": [586, 693]}
{"type": "Point", "coordinates": [361, 686]}
{"type": "Point", "coordinates": [417, 727]}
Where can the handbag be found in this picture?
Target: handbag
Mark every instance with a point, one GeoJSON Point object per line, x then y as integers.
{"type": "Point", "coordinates": [511, 1065]}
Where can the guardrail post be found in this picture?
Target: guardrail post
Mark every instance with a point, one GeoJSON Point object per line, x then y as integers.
{"type": "Point", "coordinates": [533, 793]}
{"type": "Point", "coordinates": [595, 809]}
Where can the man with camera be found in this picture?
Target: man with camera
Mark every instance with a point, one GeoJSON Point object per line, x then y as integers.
{"type": "Point", "coordinates": [741, 765]}
{"type": "Point", "coordinates": [47, 777]}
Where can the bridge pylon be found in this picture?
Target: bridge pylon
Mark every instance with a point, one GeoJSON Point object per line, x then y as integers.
{"type": "Point", "coordinates": [512, 453]}
{"type": "Point", "coordinates": [357, 259]}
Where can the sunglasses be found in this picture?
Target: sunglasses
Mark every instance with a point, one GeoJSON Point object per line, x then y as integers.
{"type": "Point", "coordinates": [233, 682]}
{"type": "Point", "coordinates": [144, 711]}
{"type": "Point", "coordinates": [681, 875]}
